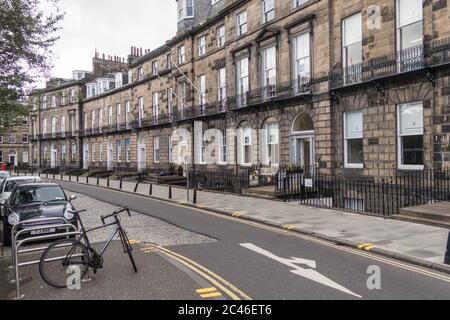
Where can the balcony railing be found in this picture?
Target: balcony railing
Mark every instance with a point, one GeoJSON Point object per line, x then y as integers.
{"type": "Point", "coordinates": [55, 135]}
{"type": "Point", "coordinates": [431, 54]}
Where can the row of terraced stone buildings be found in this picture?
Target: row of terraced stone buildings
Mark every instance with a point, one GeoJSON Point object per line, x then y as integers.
{"type": "Point", "coordinates": [355, 87]}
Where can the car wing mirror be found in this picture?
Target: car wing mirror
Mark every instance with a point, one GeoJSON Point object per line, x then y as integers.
{"type": "Point", "coordinates": [72, 197]}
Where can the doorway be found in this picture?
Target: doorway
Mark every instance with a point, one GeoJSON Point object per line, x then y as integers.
{"type": "Point", "coordinates": [302, 141]}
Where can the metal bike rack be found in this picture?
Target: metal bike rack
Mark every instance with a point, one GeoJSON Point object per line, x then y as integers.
{"type": "Point", "coordinates": [16, 244]}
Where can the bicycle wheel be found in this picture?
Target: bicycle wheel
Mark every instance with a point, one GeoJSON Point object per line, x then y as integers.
{"type": "Point", "coordinates": [62, 262]}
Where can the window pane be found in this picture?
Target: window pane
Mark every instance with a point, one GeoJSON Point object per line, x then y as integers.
{"type": "Point", "coordinates": [352, 29]}
{"type": "Point", "coordinates": [355, 151]}
{"type": "Point", "coordinates": [410, 11]}
{"type": "Point", "coordinates": [411, 35]}
{"type": "Point", "coordinates": [412, 150]}
{"type": "Point", "coordinates": [411, 119]}
{"type": "Point", "coordinates": [353, 125]}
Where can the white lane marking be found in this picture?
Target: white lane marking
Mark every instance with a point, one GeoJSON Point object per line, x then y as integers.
{"type": "Point", "coordinates": [296, 269]}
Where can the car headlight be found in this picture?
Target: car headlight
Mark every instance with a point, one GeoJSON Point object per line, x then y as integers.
{"type": "Point", "coordinates": [13, 219]}
{"type": "Point", "coordinates": [68, 214]}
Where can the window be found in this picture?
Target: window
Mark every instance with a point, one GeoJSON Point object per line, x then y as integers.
{"type": "Point", "coordinates": [155, 68]}
{"type": "Point", "coordinates": [298, 3]}
{"type": "Point", "coordinates": [44, 102]}
{"type": "Point", "coordinates": [269, 80]}
{"type": "Point", "coordinates": [118, 115]}
{"type": "Point", "coordinates": [272, 143]}
{"type": "Point", "coordinates": [203, 149]}
{"type": "Point", "coordinates": [241, 22]}
{"type": "Point", "coordinates": [246, 146]}
{"type": "Point", "coordinates": [130, 76]}
{"type": "Point", "coordinates": [353, 140]}
{"type": "Point", "coordinates": [223, 147]}
{"type": "Point", "coordinates": [352, 48]}
{"type": "Point", "coordinates": [222, 87]}
{"type": "Point", "coordinates": [169, 60]}
{"type": "Point", "coordinates": [242, 85]}
{"type": "Point", "coordinates": [127, 150]}
{"type": "Point", "coordinates": [63, 126]}
{"type": "Point", "coordinates": [141, 110]}
{"type": "Point", "coordinates": [169, 101]}
{"type": "Point", "coordinates": [181, 55]}
{"type": "Point", "coordinates": [185, 9]}
{"type": "Point", "coordinates": [170, 155]}
{"type": "Point", "coordinates": [73, 124]}
{"type": "Point", "coordinates": [25, 138]}
{"type": "Point", "coordinates": [93, 151]}
{"type": "Point", "coordinates": [53, 101]}
{"type": "Point", "coordinates": [127, 114]}
{"type": "Point", "coordinates": [410, 136]}
{"type": "Point", "coordinates": [73, 152]}
{"type": "Point", "coordinates": [25, 157]}
{"type": "Point", "coordinates": [156, 149]}
{"type": "Point", "coordinates": [63, 153]}
{"type": "Point", "coordinates": [302, 64]}
{"type": "Point", "coordinates": [155, 106]}
{"type": "Point", "coordinates": [268, 10]}
{"type": "Point", "coordinates": [110, 116]}
{"type": "Point", "coordinates": [12, 137]}
{"type": "Point", "coordinates": [53, 126]}
{"type": "Point", "coordinates": [44, 127]}
{"type": "Point", "coordinates": [1, 139]}
{"type": "Point", "coordinates": [100, 120]}
{"type": "Point", "coordinates": [93, 120]}
{"type": "Point", "coordinates": [72, 96]}
{"type": "Point", "coordinates": [202, 92]}
{"type": "Point", "coordinates": [182, 95]}
{"type": "Point", "coordinates": [85, 122]}
{"type": "Point", "coordinates": [118, 79]}
{"type": "Point", "coordinates": [24, 121]}
{"type": "Point", "coordinates": [220, 34]}
{"type": "Point", "coordinates": [118, 151]}
{"type": "Point", "coordinates": [63, 98]}
{"type": "Point", "coordinates": [100, 152]}
{"type": "Point", "coordinates": [201, 46]}
{"type": "Point", "coordinates": [140, 74]}
{"type": "Point", "coordinates": [409, 23]}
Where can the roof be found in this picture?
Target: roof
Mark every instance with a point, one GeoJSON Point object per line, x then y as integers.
{"type": "Point", "coordinates": [23, 178]}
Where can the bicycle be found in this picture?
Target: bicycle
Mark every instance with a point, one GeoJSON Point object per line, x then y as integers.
{"type": "Point", "coordinates": [62, 257]}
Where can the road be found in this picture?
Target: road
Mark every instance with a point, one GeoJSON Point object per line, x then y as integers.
{"type": "Point", "coordinates": [239, 260]}
{"type": "Point", "coordinates": [260, 260]}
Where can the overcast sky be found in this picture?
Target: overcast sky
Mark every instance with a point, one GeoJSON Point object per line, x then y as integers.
{"type": "Point", "coordinates": [111, 26]}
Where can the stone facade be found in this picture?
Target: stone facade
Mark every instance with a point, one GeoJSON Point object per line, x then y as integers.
{"type": "Point", "coordinates": [178, 86]}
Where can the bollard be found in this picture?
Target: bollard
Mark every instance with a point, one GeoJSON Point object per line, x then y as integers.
{"type": "Point", "coordinates": [447, 253]}
{"type": "Point", "coordinates": [87, 179]}
{"type": "Point", "coordinates": [70, 178]}
{"type": "Point", "coordinates": [46, 175]}
{"type": "Point", "coordinates": [61, 176]}
{"type": "Point", "coordinates": [78, 177]}
{"type": "Point", "coordinates": [170, 192]}
{"type": "Point", "coordinates": [98, 180]}
{"type": "Point", "coordinates": [194, 200]}
{"type": "Point", "coordinates": [120, 186]}
{"type": "Point", "coordinates": [136, 187]}
{"type": "Point", "coordinates": [54, 175]}
{"type": "Point", "coordinates": [150, 191]}
{"type": "Point", "coordinates": [107, 182]}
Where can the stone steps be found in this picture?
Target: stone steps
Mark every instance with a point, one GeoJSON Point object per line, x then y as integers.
{"type": "Point", "coordinates": [435, 214]}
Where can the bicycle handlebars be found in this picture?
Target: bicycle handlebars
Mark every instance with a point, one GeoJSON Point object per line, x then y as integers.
{"type": "Point", "coordinates": [115, 213]}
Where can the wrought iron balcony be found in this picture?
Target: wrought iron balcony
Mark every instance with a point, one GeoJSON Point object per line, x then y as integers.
{"type": "Point", "coordinates": [431, 54]}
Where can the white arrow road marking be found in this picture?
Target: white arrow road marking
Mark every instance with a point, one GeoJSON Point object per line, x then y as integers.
{"type": "Point", "coordinates": [306, 273]}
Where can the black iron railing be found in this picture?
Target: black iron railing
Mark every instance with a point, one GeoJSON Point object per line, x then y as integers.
{"type": "Point", "coordinates": [219, 179]}
{"type": "Point", "coordinates": [430, 54]}
{"type": "Point", "coordinates": [366, 194]}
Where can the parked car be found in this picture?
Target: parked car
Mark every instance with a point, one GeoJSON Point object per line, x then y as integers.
{"type": "Point", "coordinates": [30, 201]}
{"type": "Point", "coordinates": [8, 185]}
{"type": "Point", "coordinates": [3, 175]}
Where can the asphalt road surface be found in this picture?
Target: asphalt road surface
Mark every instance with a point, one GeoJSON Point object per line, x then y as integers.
{"type": "Point", "coordinates": [253, 261]}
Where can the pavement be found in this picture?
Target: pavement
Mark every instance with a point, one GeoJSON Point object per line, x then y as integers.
{"type": "Point", "coordinates": [414, 243]}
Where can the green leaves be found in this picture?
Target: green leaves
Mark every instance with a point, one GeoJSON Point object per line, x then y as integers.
{"type": "Point", "coordinates": [26, 37]}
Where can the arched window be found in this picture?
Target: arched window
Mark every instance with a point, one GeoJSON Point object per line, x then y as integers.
{"type": "Point", "coordinates": [302, 123]}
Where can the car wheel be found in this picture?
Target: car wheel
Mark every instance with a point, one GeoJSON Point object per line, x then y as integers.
{"type": "Point", "coordinates": [6, 238]}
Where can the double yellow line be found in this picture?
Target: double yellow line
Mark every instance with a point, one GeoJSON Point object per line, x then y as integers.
{"type": "Point", "coordinates": [213, 278]}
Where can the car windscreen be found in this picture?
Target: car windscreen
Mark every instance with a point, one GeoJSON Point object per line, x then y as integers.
{"type": "Point", "coordinates": [38, 194]}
